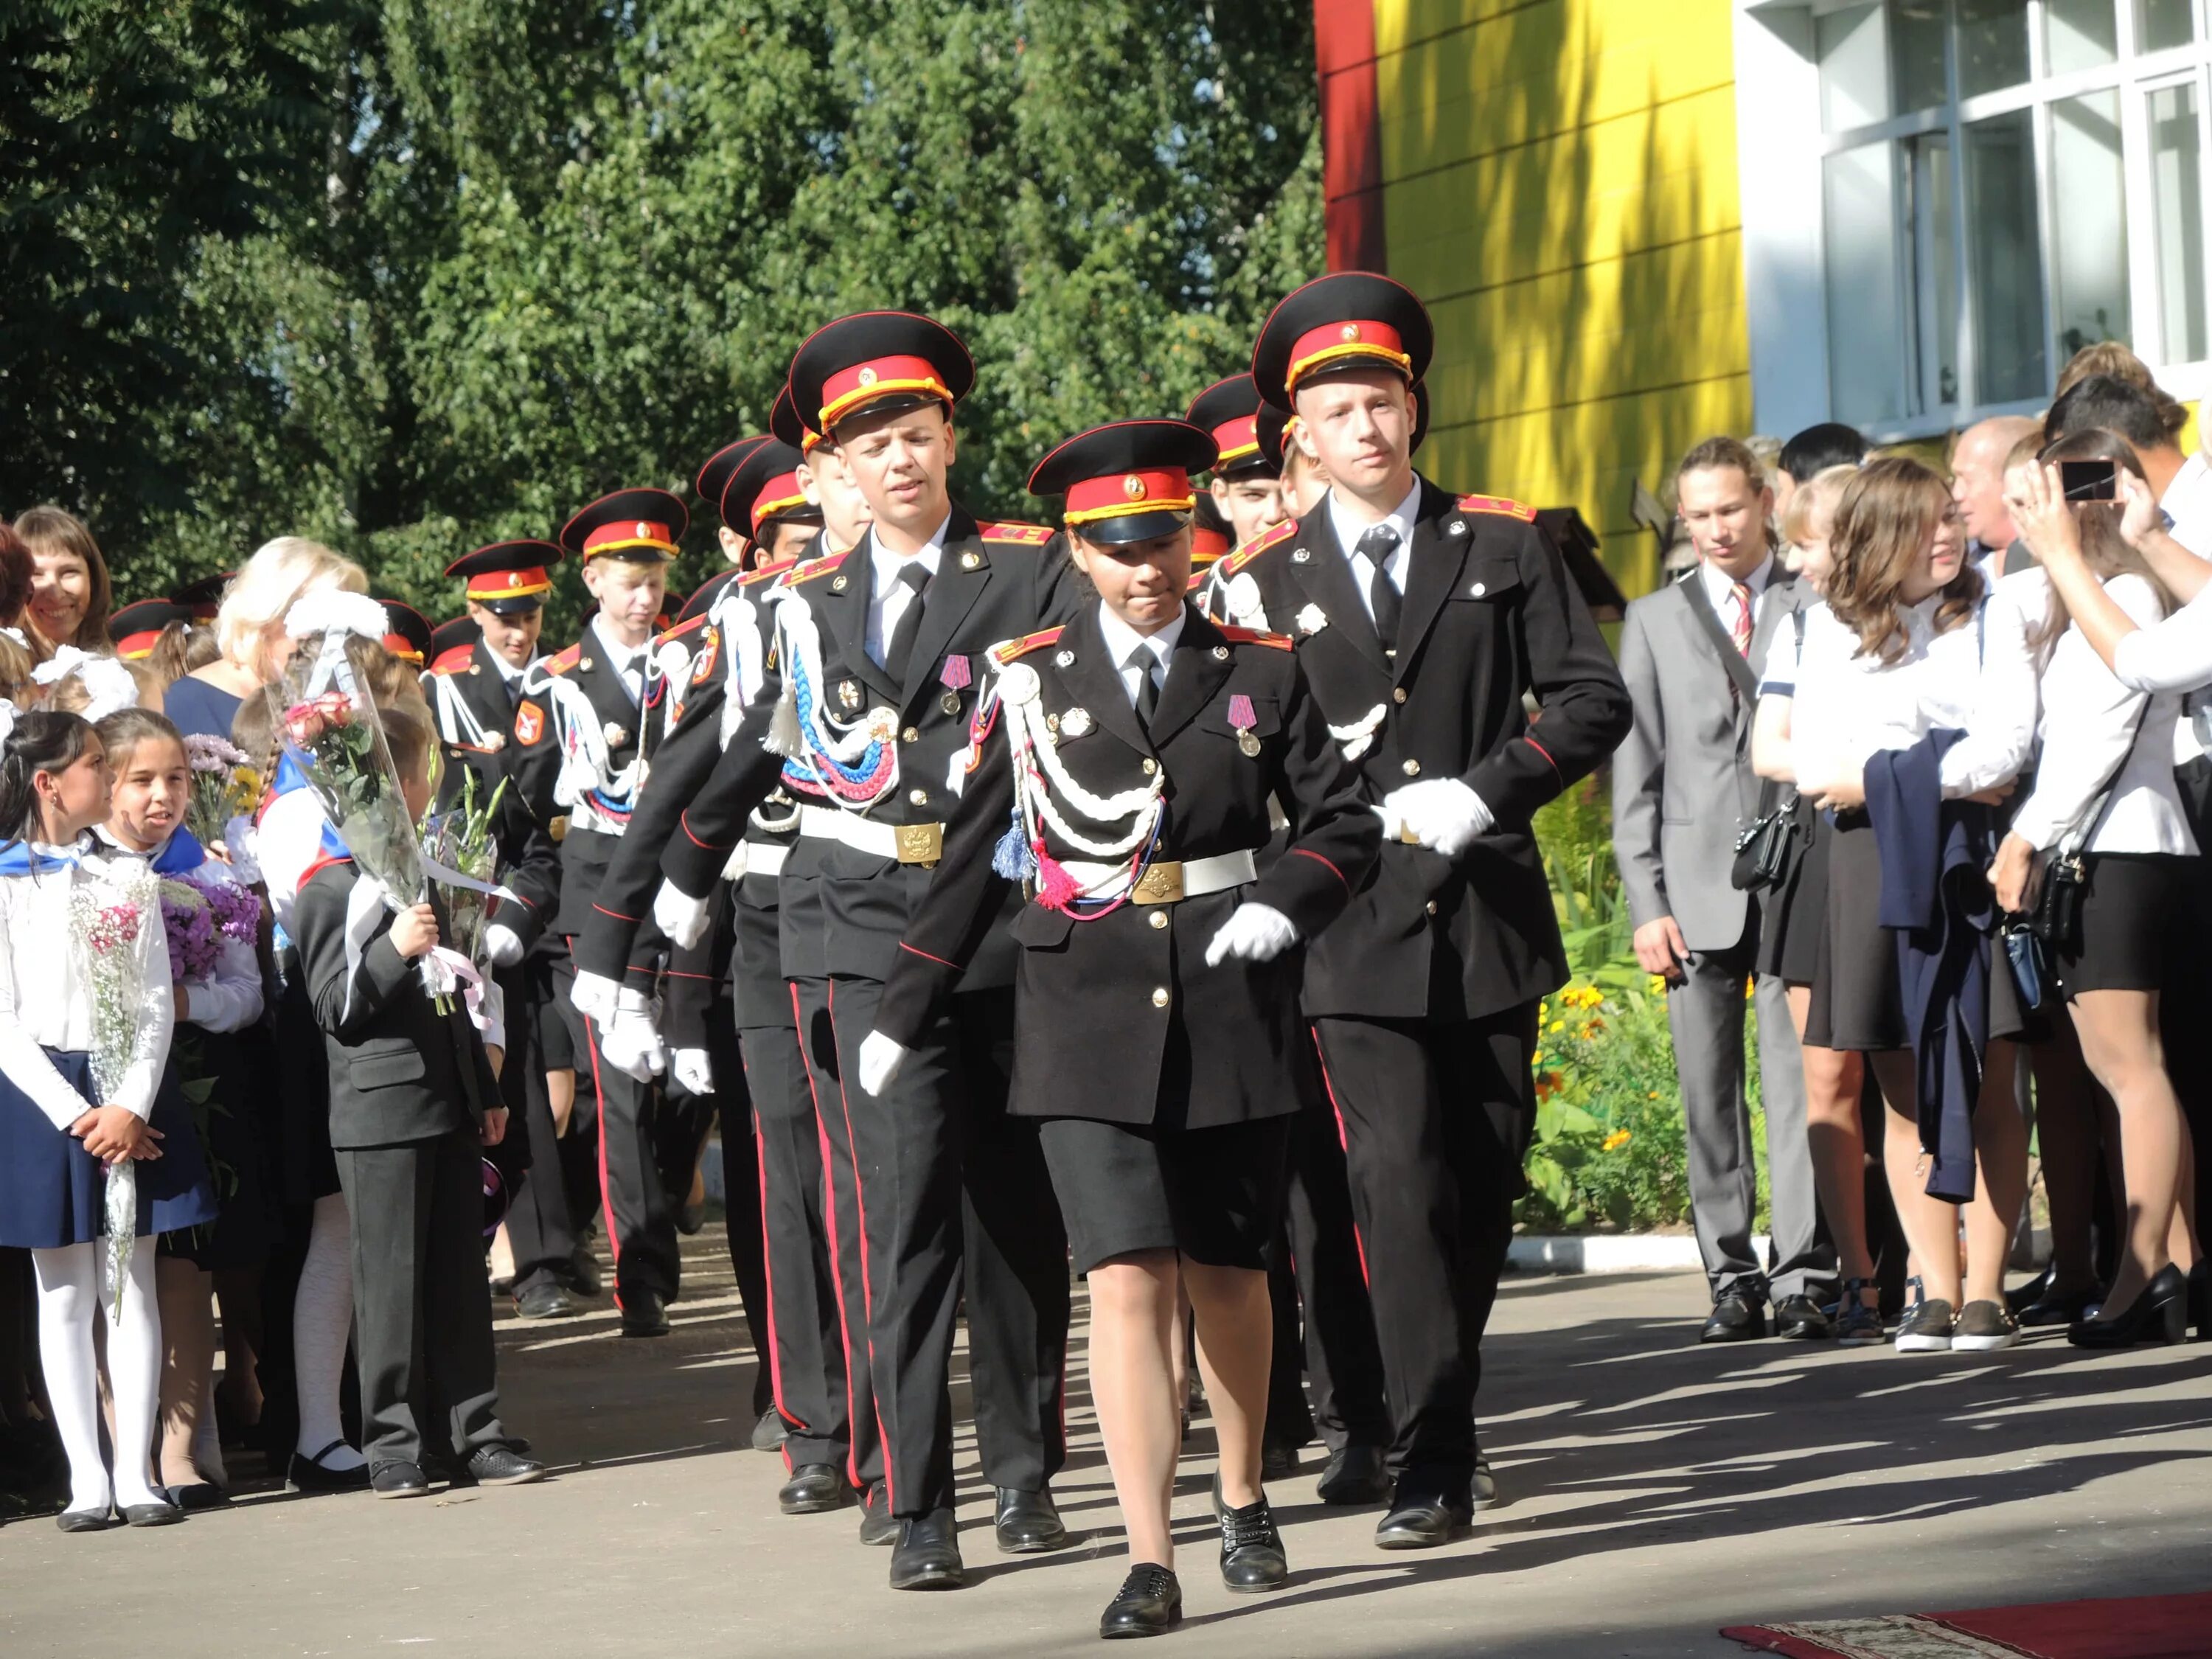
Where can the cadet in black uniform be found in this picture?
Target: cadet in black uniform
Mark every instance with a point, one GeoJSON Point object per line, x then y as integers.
{"type": "Point", "coordinates": [605, 703]}
{"type": "Point", "coordinates": [868, 704]}
{"type": "Point", "coordinates": [1123, 773]}
{"type": "Point", "coordinates": [1423, 621]}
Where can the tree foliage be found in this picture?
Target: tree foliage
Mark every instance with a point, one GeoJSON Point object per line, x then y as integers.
{"type": "Point", "coordinates": [408, 275]}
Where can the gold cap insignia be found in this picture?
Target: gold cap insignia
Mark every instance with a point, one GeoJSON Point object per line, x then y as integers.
{"type": "Point", "coordinates": [867, 377]}
{"type": "Point", "coordinates": [1133, 488]}
{"type": "Point", "coordinates": [1351, 331]}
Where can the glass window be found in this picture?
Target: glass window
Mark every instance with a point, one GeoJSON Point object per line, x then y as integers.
{"type": "Point", "coordinates": [2000, 222]}
{"type": "Point", "coordinates": [1860, 208]}
{"type": "Point", "coordinates": [2080, 34]}
{"type": "Point", "coordinates": [2177, 166]}
{"type": "Point", "coordinates": [2164, 24]}
{"type": "Point", "coordinates": [1854, 68]}
{"type": "Point", "coordinates": [1915, 48]}
{"type": "Point", "coordinates": [1992, 45]}
{"type": "Point", "coordinates": [1934, 219]}
{"type": "Point", "coordinates": [2088, 194]}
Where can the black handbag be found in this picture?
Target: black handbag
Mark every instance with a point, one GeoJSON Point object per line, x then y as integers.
{"type": "Point", "coordinates": [2029, 958]}
{"type": "Point", "coordinates": [2055, 918]}
{"type": "Point", "coordinates": [1768, 848]}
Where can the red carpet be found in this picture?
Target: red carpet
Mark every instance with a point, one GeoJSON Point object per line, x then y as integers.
{"type": "Point", "coordinates": [2134, 1628]}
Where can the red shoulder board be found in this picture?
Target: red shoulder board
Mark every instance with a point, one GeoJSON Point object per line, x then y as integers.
{"type": "Point", "coordinates": [567, 660]}
{"type": "Point", "coordinates": [1013, 530]}
{"type": "Point", "coordinates": [1007, 650]}
{"type": "Point", "coordinates": [1230, 563]}
{"type": "Point", "coordinates": [681, 630]}
{"type": "Point", "coordinates": [767, 572]}
{"type": "Point", "coordinates": [1500, 504]}
{"type": "Point", "coordinates": [809, 571]}
{"type": "Point", "coordinates": [454, 661]}
{"type": "Point", "coordinates": [1254, 636]}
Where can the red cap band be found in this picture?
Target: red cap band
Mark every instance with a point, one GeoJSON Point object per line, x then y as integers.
{"type": "Point", "coordinates": [402, 648]}
{"type": "Point", "coordinates": [1237, 439]}
{"type": "Point", "coordinates": [880, 377]}
{"type": "Point", "coordinates": [628, 532]}
{"type": "Point", "coordinates": [780, 495]}
{"type": "Point", "coordinates": [1155, 489]}
{"type": "Point", "coordinates": [131, 647]}
{"type": "Point", "coordinates": [510, 584]}
{"type": "Point", "coordinates": [1337, 341]}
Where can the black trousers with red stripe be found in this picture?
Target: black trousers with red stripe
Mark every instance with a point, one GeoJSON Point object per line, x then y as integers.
{"type": "Point", "coordinates": [955, 1204]}
{"type": "Point", "coordinates": [1435, 1117]}
{"type": "Point", "coordinates": [1343, 1359]}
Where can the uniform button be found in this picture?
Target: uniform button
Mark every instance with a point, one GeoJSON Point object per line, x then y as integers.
{"type": "Point", "coordinates": [1159, 918]}
{"type": "Point", "coordinates": [1397, 694]}
{"type": "Point", "coordinates": [1151, 767]}
{"type": "Point", "coordinates": [919, 797]}
{"type": "Point", "coordinates": [1160, 996]}
{"type": "Point", "coordinates": [912, 735]}
{"type": "Point", "coordinates": [1433, 907]}
{"type": "Point", "coordinates": [1411, 768]}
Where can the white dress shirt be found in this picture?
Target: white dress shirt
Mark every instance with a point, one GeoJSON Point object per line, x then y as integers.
{"type": "Point", "coordinates": [2187, 504]}
{"type": "Point", "coordinates": [1720, 588]}
{"type": "Point", "coordinates": [1349, 530]}
{"type": "Point", "coordinates": [1151, 651]}
{"type": "Point", "coordinates": [888, 597]}
{"type": "Point", "coordinates": [45, 1000]}
{"type": "Point", "coordinates": [2174, 654]}
{"type": "Point", "coordinates": [2091, 733]}
{"type": "Point", "coordinates": [627, 660]}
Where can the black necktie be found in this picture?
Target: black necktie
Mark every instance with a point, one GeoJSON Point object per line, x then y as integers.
{"type": "Point", "coordinates": [898, 650]}
{"type": "Point", "coordinates": [1376, 545]}
{"type": "Point", "coordinates": [1148, 690]}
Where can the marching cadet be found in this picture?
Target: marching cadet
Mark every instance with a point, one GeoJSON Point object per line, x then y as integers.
{"type": "Point", "coordinates": [489, 722]}
{"type": "Point", "coordinates": [866, 710]}
{"type": "Point", "coordinates": [605, 704]}
{"type": "Point", "coordinates": [1423, 622]}
{"type": "Point", "coordinates": [1156, 1030]}
{"type": "Point", "coordinates": [1250, 436]}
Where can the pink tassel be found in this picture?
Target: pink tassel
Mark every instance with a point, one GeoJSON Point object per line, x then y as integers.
{"type": "Point", "coordinates": [1056, 888]}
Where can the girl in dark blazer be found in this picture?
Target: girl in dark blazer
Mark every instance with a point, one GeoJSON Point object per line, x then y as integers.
{"type": "Point", "coordinates": [1122, 772]}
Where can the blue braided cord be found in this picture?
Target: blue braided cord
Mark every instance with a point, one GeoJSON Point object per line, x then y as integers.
{"type": "Point", "coordinates": [803, 698]}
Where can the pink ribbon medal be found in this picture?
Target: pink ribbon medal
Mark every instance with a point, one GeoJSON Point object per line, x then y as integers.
{"type": "Point", "coordinates": [955, 677]}
{"type": "Point", "coordinates": [1242, 719]}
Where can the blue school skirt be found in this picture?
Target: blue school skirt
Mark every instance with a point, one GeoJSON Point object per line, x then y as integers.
{"type": "Point", "coordinates": [52, 1191]}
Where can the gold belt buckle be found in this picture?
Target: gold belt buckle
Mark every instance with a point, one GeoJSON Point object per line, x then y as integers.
{"type": "Point", "coordinates": [1162, 883]}
{"type": "Point", "coordinates": [559, 828]}
{"type": "Point", "coordinates": [920, 843]}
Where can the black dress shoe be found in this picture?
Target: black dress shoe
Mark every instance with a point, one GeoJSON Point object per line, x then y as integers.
{"type": "Point", "coordinates": [1737, 1316]}
{"type": "Point", "coordinates": [1421, 1521]}
{"type": "Point", "coordinates": [583, 1273]}
{"type": "Point", "coordinates": [2051, 1308]}
{"type": "Point", "coordinates": [1799, 1319]}
{"type": "Point", "coordinates": [814, 1489]}
{"type": "Point", "coordinates": [1355, 1475]}
{"type": "Point", "coordinates": [877, 1524]}
{"type": "Point", "coordinates": [1028, 1522]}
{"type": "Point", "coordinates": [1252, 1557]}
{"type": "Point", "coordinates": [151, 1515]}
{"type": "Point", "coordinates": [1277, 1461]}
{"type": "Point", "coordinates": [771, 1432]}
{"type": "Point", "coordinates": [198, 1495]}
{"type": "Point", "coordinates": [98, 1520]}
{"type": "Point", "coordinates": [309, 1474]}
{"type": "Point", "coordinates": [927, 1554]}
{"type": "Point", "coordinates": [501, 1466]}
{"type": "Point", "coordinates": [545, 1300]}
{"type": "Point", "coordinates": [644, 1314]}
{"type": "Point", "coordinates": [1482, 1492]}
{"type": "Point", "coordinates": [2159, 1313]}
{"type": "Point", "coordinates": [1149, 1603]}
{"type": "Point", "coordinates": [398, 1479]}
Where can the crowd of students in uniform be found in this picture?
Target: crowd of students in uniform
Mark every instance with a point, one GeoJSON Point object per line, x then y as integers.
{"type": "Point", "coordinates": [1151, 896]}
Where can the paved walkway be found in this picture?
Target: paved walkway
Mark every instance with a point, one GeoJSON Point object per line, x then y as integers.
{"type": "Point", "coordinates": [1656, 1492]}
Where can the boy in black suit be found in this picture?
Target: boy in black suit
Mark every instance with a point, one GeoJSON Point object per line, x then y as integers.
{"type": "Point", "coordinates": [413, 1098]}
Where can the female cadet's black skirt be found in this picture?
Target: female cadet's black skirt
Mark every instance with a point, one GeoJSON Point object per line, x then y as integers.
{"type": "Point", "coordinates": [2133, 908]}
{"type": "Point", "coordinates": [1791, 918]}
{"type": "Point", "coordinates": [1215, 1195]}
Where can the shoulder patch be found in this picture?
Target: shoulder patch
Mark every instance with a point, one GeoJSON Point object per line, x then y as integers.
{"type": "Point", "coordinates": [1230, 563]}
{"type": "Point", "coordinates": [769, 572]}
{"type": "Point", "coordinates": [1007, 650]}
{"type": "Point", "coordinates": [454, 661]}
{"type": "Point", "coordinates": [1254, 636]}
{"type": "Point", "coordinates": [1013, 530]}
{"type": "Point", "coordinates": [1499, 504]}
{"type": "Point", "coordinates": [567, 660]}
{"type": "Point", "coordinates": [813, 568]}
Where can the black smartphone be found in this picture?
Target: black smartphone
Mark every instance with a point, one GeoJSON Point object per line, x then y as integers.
{"type": "Point", "coordinates": [2090, 481]}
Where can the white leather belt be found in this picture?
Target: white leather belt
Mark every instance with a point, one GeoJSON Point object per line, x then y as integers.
{"type": "Point", "coordinates": [1165, 882]}
{"type": "Point", "coordinates": [754, 858]}
{"type": "Point", "coordinates": [907, 843]}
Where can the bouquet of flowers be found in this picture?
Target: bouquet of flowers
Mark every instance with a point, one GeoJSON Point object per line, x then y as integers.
{"type": "Point", "coordinates": [224, 787]}
{"type": "Point", "coordinates": [108, 916]}
{"type": "Point", "coordinates": [461, 841]}
{"type": "Point", "coordinates": [197, 915]}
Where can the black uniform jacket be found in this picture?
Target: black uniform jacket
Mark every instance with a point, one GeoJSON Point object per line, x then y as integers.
{"type": "Point", "coordinates": [519, 743]}
{"type": "Point", "coordinates": [586, 853]}
{"type": "Point", "coordinates": [1119, 1018]}
{"type": "Point", "coordinates": [399, 1070]}
{"type": "Point", "coordinates": [993, 582]}
{"type": "Point", "coordinates": [1491, 615]}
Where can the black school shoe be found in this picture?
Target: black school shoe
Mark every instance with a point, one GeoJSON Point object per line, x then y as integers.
{"type": "Point", "coordinates": [308, 1474]}
{"type": "Point", "coordinates": [1149, 1603]}
{"type": "Point", "coordinates": [1420, 1520]}
{"type": "Point", "coordinates": [878, 1525]}
{"type": "Point", "coordinates": [927, 1554]}
{"type": "Point", "coordinates": [1252, 1557]}
{"type": "Point", "coordinates": [398, 1479]}
{"type": "Point", "coordinates": [814, 1489]}
{"type": "Point", "coordinates": [498, 1465]}
{"type": "Point", "coordinates": [1799, 1319]}
{"type": "Point", "coordinates": [644, 1314]}
{"type": "Point", "coordinates": [1737, 1316]}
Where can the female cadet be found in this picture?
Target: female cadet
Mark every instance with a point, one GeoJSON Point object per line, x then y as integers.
{"type": "Point", "coordinates": [1122, 769]}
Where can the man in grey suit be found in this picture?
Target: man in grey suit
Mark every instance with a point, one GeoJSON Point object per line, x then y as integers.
{"type": "Point", "coordinates": [1691, 654]}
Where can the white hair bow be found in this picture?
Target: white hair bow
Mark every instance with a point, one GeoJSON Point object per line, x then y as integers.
{"type": "Point", "coordinates": [108, 685]}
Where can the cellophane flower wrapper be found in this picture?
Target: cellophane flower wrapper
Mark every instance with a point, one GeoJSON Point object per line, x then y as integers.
{"type": "Point", "coordinates": [462, 839]}
{"type": "Point", "coordinates": [108, 917]}
{"type": "Point", "coordinates": [224, 787]}
{"type": "Point", "coordinates": [330, 728]}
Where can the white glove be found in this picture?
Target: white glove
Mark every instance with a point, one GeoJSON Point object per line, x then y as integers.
{"type": "Point", "coordinates": [630, 1042]}
{"type": "Point", "coordinates": [881, 1060]}
{"type": "Point", "coordinates": [1443, 814]}
{"type": "Point", "coordinates": [1254, 932]}
{"type": "Point", "coordinates": [693, 1070]}
{"type": "Point", "coordinates": [502, 945]}
{"type": "Point", "coordinates": [593, 996]}
{"type": "Point", "coordinates": [682, 917]}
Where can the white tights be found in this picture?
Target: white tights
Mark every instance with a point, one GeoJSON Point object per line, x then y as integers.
{"type": "Point", "coordinates": [69, 1301]}
{"type": "Point", "coordinates": [322, 1320]}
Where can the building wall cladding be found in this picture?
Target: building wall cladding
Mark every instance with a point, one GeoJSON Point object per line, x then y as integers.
{"type": "Point", "coordinates": [1557, 180]}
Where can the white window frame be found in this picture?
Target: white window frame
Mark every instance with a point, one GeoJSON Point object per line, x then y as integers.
{"type": "Point", "coordinates": [1782, 151]}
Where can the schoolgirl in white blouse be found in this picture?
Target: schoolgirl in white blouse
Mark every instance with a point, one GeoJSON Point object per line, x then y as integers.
{"type": "Point", "coordinates": [2106, 791]}
{"type": "Point", "coordinates": [1906, 644]}
{"type": "Point", "coordinates": [57, 1137]}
